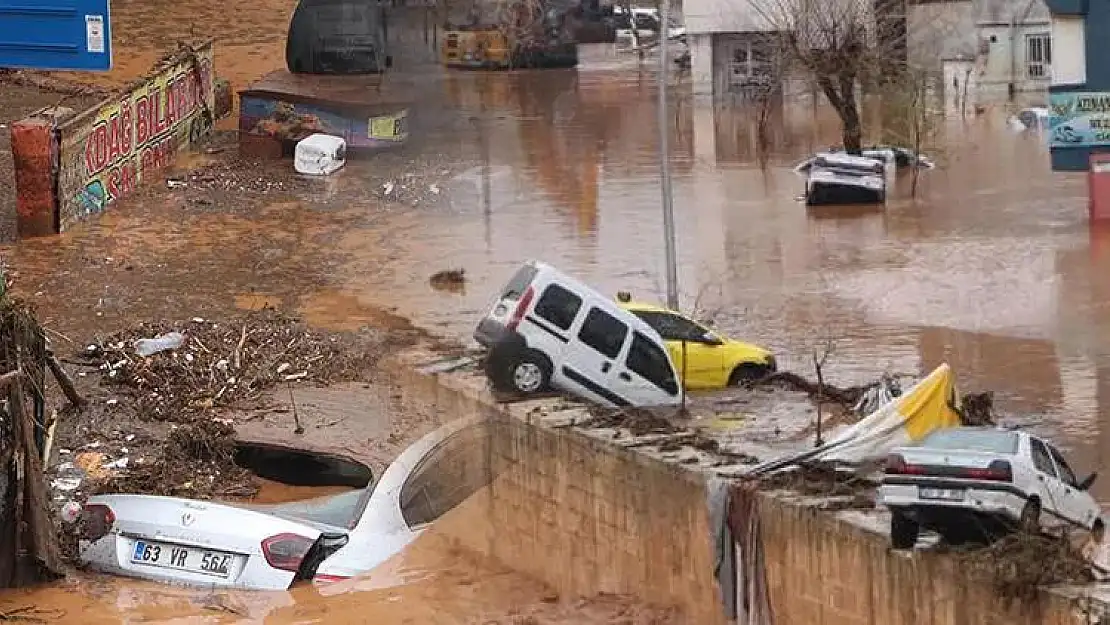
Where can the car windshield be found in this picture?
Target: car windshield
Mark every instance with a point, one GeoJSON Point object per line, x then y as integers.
{"type": "Point", "coordinates": [993, 441]}
{"type": "Point", "coordinates": [672, 327]}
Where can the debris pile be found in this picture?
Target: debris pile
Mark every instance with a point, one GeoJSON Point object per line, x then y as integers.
{"type": "Point", "coordinates": [199, 365]}
{"type": "Point", "coordinates": [822, 480]}
{"type": "Point", "coordinates": [197, 461]}
{"type": "Point", "coordinates": [1019, 565]}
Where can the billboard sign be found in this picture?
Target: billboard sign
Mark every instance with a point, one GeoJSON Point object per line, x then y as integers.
{"type": "Point", "coordinates": [1079, 119]}
{"type": "Point", "coordinates": [56, 34]}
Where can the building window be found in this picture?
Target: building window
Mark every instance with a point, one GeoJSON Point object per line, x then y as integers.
{"type": "Point", "coordinates": [749, 64]}
{"type": "Point", "coordinates": [1038, 55]}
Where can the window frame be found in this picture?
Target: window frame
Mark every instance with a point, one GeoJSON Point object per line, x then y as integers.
{"type": "Point", "coordinates": [670, 386]}
{"type": "Point", "coordinates": [1033, 443]}
{"type": "Point", "coordinates": [1064, 471]}
{"type": "Point", "coordinates": [1038, 56]}
{"type": "Point", "coordinates": [618, 345]}
{"type": "Point", "coordinates": [434, 456]}
{"type": "Point", "coordinates": [555, 287]}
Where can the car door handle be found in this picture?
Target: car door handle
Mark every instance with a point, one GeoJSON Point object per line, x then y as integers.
{"type": "Point", "coordinates": [624, 376]}
{"type": "Point", "coordinates": [606, 366]}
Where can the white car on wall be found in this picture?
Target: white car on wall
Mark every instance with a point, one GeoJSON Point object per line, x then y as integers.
{"type": "Point", "coordinates": [971, 478]}
{"type": "Point", "coordinates": [270, 547]}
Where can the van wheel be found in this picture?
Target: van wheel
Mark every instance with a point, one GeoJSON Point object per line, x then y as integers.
{"type": "Point", "coordinates": [747, 373]}
{"type": "Point", "coordinates": [903, 530]}
{"type": "Point", "coordinates": [529, 373]}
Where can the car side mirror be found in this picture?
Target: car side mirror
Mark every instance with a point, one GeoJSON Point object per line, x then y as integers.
{"type": "Point", "coordinates": [1088, 481]}
{"type": "Point", "coordinates": [711, 339]}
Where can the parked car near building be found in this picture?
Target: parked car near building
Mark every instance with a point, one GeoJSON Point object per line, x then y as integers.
{"type": "Point", "coordinates": [837, 178]}
{"type": "Point", "coordinates": [975, 479]}
{"type": "Point", "coordinates": [548, 329]}
{"type": "Point", "coordinates": [710, 359]}
{"type": "Point", "coordinates": [269, 547]}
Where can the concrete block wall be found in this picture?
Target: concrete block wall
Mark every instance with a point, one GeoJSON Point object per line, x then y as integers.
{"type": "Point", "coordinates": [825, 569]}
{"type": "Point", "coordinates": [585, 515]}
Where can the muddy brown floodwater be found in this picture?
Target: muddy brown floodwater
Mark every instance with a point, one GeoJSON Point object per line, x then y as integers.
{"type": "Point", "coordinates": [992, 267]}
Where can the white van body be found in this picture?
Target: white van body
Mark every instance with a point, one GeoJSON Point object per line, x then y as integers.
{"type": "Point", "coordinates": [548, 329]}
{"type": "Point", "coordinates": [320, 155]}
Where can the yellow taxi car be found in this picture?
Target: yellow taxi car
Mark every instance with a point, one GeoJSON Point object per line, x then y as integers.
{"type": "Point", "coordinates": [712, 359]}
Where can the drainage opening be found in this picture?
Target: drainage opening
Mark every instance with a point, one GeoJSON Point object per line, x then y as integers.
{"type": "Point", "coordinates": [299, 467]}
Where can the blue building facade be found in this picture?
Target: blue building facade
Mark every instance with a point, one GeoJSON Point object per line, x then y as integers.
{"type": "Point", "coordinates": [1079, 96]}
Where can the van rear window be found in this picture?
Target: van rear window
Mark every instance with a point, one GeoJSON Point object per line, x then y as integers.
{"type": "Point", "coordinates": [519, 282]}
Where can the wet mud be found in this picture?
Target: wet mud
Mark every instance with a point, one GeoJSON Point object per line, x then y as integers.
{"type": "Point", "coordinates": [432, 582]}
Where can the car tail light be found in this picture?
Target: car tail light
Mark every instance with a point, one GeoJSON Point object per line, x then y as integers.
{"type": "Point", "coordinates": [286, 551]}
{"type": "Point", "coordinates": [97, 520]}
{"type": "Point", "coordinates": [328, 579]}
{"type": "Point", "coordinates": [522, 307]}
{"type": "Point", "coordinates": [997, 471]}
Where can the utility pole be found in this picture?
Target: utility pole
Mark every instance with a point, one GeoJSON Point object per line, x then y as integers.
{"type": "Point", "coordinates": [665, 156]}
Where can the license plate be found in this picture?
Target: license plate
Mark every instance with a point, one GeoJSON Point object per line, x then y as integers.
{"type": "Point", "coordinates": [947, 494]}
{"type": "Point", "coordinates": [180, 558]}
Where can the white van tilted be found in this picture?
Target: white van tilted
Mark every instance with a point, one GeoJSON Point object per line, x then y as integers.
{"type": "Point", "coordinates": [548, 329]}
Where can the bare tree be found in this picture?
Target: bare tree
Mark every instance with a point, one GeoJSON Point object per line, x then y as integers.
{"type": "Point", "coordinates": [842, 45]}
{"type": "Point", "coordinates": [910, 117]}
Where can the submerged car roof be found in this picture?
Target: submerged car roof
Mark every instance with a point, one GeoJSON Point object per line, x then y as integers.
{"type": "Point", "coordinates": [847, 160]}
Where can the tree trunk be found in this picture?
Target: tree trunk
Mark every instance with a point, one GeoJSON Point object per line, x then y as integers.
{"type": "Point", "coordinates": [842, 97]}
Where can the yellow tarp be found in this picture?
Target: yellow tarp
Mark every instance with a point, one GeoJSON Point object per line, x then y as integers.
{"type": "Point", "coordinates": [909, 418]}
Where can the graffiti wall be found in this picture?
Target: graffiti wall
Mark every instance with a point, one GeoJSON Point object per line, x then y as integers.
{"type": "Point", "coordinates": [293, 121]}
{"type": "Point", "coordinates": [108, 150]}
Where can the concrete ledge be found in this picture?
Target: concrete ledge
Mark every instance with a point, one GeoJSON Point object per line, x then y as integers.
{"type": "Point", "coordinates": [585, 514]}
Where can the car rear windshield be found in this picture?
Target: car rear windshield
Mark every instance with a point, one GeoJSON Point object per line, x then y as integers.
{"type": "Point", "coordinates": [993, 441]}
{"type": "Point", "coordinates": [339, 511]}
{"type": "Point", "coordinates": [519, 282]}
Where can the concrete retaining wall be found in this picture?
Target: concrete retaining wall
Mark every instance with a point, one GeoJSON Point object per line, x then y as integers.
{"type": "Point", "coordinates": [72, 165]}
{"type": "Point", "coordinates": [586, 516]}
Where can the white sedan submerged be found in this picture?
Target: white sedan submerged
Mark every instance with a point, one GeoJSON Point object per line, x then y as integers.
{"type": "Point", "coordinates": [965, 479]}
{"type": "Point", "coordinates": [170, 539]}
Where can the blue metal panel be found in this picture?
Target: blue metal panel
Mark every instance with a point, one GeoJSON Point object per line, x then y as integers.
{"type": "Point", "coordinates": [56, 34]}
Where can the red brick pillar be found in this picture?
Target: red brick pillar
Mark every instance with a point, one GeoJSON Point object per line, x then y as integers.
{"type": "Point", "coordinates": [33, 145]}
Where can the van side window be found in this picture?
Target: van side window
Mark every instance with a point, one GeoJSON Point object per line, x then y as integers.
{"type": "Point", "coordinates": [647, 360]}
{"type": "Point", "coordinates": [603, 332]}
{"type": "Point", "coordinates": [559, 306]}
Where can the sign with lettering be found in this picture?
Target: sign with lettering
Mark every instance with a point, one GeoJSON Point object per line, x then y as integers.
{"type": "Point", "coordinates": [1079, 119]}
{"type": "Point", "coordinates": [107, 150]}
{"type": "Point", "coordinates": [56, 34]}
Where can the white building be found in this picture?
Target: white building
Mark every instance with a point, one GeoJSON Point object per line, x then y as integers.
{"type": "Point", "coordinates": [726, 43]}
{"type": "Point", "coordinates": [1003, 47]}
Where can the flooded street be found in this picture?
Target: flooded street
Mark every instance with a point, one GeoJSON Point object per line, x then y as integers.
{"type": "Point", "coordinates": [992, 268]}
{"type": "Point", "coordinates": [432, 582]}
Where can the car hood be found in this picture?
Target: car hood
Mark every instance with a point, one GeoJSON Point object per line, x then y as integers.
{"type": "Point", "coordinates": [739, 350]}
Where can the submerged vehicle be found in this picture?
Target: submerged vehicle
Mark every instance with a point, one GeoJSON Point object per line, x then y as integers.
{"type": "Point", "coordinates": [519, 36]}
{"type": "Point", "coordinates": [337, 37]}
{"type": "Point", "coordinates": [838, 178]}
{"type": "Point", "coordinates": [705, 359]}
{"type": "Point", "coordinates": [895, 157]}
{"type": "Point", "coordinates": [269, 547]}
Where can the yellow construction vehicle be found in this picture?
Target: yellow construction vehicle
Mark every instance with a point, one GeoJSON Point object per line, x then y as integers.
{"type": "Point", "coordinates": [526, 35]}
